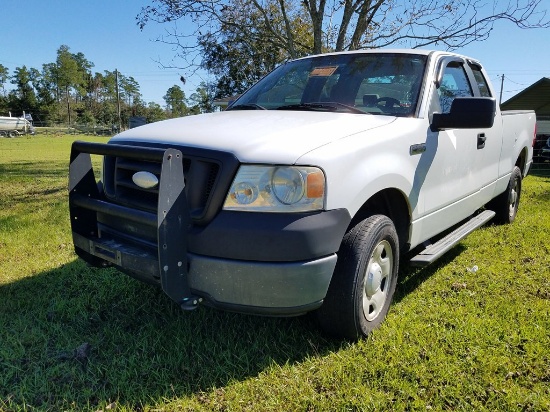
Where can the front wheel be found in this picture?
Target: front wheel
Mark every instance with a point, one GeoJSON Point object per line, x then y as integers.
{"type": "Point", "coordinates": [364, 280]}
{"type": "Point", "coordinates": [506, 204]}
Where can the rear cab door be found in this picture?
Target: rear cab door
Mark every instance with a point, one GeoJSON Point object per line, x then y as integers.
{"type": "Point", "coordinates": [489, 141]}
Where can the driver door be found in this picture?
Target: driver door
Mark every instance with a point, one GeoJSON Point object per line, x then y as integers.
{"type": "Point", "coordinates": [446, 179]}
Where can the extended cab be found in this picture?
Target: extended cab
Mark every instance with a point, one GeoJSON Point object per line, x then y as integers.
{"type": "Point", "coordinates": [305, 194]}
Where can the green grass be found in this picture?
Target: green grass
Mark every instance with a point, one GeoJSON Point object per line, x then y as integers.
{"type": "Point", "coordinates": [84, 339]}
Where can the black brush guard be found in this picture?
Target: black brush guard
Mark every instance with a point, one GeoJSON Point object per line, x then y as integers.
{"type": "Point", "coordinates": [171, 220]}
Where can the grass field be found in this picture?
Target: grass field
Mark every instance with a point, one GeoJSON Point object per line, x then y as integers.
{"type": "Point", "coordinates": [74, 338]}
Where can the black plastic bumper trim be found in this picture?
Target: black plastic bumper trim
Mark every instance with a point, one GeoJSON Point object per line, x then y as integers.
{"type": "Point", "coordinates": [271, 237]}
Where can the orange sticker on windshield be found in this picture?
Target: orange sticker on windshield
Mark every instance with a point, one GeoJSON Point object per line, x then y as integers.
{"type": "Point", "coordinates": [323, 71]}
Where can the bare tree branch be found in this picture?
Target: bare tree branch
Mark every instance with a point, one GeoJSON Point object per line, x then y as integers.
{"type": "Point", "coordinates": [292, 28]}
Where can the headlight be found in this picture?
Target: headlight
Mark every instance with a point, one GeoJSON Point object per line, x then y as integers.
{"type": "Point", "coordinates": [277, 189]}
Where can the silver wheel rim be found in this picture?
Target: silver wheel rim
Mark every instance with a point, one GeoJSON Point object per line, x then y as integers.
{"type": "Point", "coordinates": [378, 278]}
{"type": "Point", "coordinates": [513, 198]}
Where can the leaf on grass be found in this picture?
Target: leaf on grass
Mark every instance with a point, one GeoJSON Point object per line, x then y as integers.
{"type": "Point", "coordinates": [459, 286]}
{"type": "Point", "coordinates": [513, 375]}
{"type": "Point", "coordinates": [82, 353]}
{"type": "Point", "coordinates": [110, 406]}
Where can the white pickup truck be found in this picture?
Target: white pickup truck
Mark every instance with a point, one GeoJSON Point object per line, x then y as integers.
{"type": "Point", "coordinates": [307, 192]}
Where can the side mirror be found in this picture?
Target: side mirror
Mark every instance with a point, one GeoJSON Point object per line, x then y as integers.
{"type": "Point", "coordinates": [466, 113]}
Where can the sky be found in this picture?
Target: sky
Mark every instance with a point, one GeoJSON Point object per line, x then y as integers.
{"type": "Point", "coordinates": [105, 31]}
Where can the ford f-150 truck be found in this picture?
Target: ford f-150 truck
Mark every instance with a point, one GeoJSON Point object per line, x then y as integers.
{"type": "Point", "coordinates": [308, 191]}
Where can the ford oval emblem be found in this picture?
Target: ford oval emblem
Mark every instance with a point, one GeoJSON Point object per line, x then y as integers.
{"type": "Point", "coordinates": [145, 180]}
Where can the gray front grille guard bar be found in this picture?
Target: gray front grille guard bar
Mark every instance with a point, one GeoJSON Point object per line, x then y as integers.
{"type": "Point", "coordinates": [171, 221]}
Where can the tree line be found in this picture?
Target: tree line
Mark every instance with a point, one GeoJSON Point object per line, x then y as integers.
{"type": "Point", "coordinates": [68, 92]}
{"type": "Point", "coordinates": [240, 41]}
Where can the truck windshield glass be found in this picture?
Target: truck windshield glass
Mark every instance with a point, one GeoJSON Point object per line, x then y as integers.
{"type": "Point", "coordinates": [386, 84]}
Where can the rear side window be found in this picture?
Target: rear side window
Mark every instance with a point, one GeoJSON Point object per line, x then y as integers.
{"type": "Point", "coordinates": [455, 84]}
{"type": "Point", "coordinates": [481, 82]}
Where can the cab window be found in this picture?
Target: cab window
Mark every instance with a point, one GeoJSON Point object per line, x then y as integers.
{"type": "Point", "coordinates": [454, 84]}
{"type": "Point", "coordinates": [484, 90]}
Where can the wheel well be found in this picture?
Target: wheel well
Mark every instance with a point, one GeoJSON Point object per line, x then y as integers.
{"type": "Point", "coordinates": [522, 160]}
{"type": "Point", "coordinates": [393, 204]}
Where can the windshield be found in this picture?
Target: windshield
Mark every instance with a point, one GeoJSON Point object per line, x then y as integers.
{"type": "Point", "coordinates": [375, 83]}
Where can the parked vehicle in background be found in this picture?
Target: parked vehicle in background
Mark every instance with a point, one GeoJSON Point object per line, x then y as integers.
{"type": "Point", "coordinates": [543, 134]}
{"type": "Point", "coordinates": [545, 150]}
{"type": "Point", "coordinates": [15, 126]}
{"type": "Point", "coordinates": [308, 191]}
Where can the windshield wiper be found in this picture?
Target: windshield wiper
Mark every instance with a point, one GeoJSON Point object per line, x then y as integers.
{"type": "Point", "coordinates": [351, 109]}
{"type": "Point", "coordinates": [247, 106]}
{"type": "Point", "coordinates": [322, 106]}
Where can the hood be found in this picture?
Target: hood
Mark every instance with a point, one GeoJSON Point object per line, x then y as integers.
{"type": "Point", "coordinates": [257, 136]}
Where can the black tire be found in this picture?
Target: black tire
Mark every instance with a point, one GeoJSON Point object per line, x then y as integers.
{"type": "Point", "coordinates": [364, 280]}
{"type": "Point", "coordinates": [506, 204]}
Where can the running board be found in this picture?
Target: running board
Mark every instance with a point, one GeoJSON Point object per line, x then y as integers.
{"type": "Point", "coordinates": [436, 250]}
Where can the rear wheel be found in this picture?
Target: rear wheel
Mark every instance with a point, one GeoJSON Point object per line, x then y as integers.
{"type": "Point", "coordinates": [364, 280]}
{"type": "Point", "coordinates": [506, 204]}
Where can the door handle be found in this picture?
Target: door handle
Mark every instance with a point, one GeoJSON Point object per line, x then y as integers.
{"type": "Point", "coordinates": [481, 140]}
{"type": "Point", "coordinates": [417, 149]}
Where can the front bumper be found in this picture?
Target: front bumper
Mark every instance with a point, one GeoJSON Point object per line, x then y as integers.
{"type": "Point", "coordinates": [264, 263]}
{"type": "Point", "coordinates": [268, 288]}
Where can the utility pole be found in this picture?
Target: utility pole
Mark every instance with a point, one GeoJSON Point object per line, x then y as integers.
{"type": "Point", "coordinates": [68, 105]}
{"type": "Point", "coordinates": [501, 88]}
{"type": "Point", "coordinates": [118, 102]}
